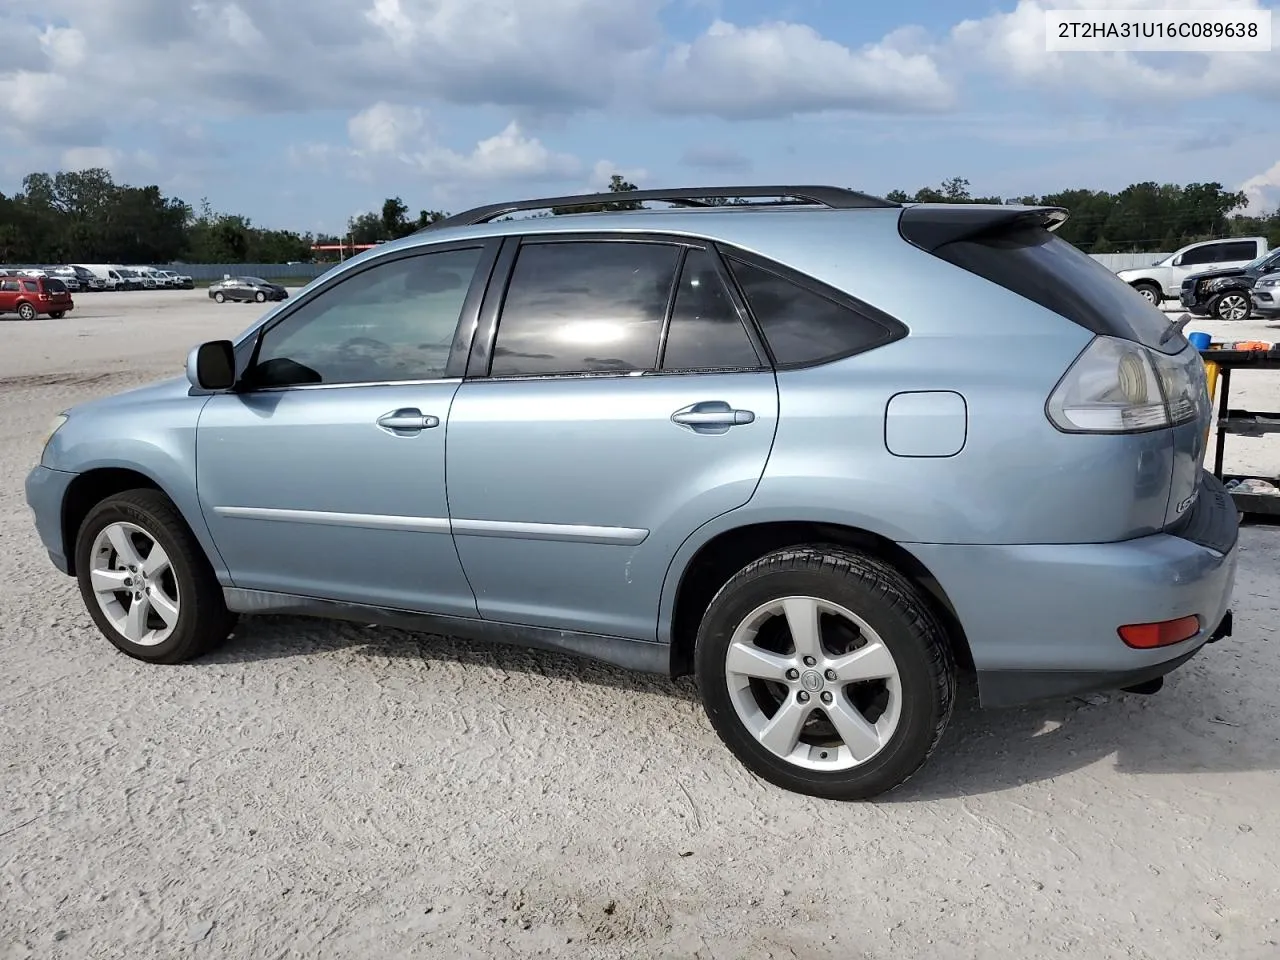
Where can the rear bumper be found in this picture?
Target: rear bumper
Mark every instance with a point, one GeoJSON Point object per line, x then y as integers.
{"type": "Point", "coordinates": [1042, 620]}
{"type": "Point", "coordinates": [46, 489]}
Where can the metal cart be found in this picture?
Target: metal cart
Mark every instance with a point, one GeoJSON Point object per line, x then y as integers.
{"type": "Point", "coordinates": [1245, 423]}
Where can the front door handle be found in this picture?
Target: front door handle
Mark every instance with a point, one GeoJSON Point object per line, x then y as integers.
{"type": "Point", "coordinates": [407, 420]}
{"type": "Point", "coordinates": [711, 416]}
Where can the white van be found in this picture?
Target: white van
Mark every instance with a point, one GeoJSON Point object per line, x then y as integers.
{"type": "Point", "coordinates": [107, 273]}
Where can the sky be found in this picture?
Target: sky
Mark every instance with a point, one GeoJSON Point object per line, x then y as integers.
{"type": "Point", "coordinates": [302, 113]}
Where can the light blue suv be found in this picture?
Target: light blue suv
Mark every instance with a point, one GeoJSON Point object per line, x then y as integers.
{"type": "Point", "coordinates": [745, 439]}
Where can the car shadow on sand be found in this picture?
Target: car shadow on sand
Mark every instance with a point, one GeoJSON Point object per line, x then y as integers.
{"type": "Point", "coordinates": [1195, 725]}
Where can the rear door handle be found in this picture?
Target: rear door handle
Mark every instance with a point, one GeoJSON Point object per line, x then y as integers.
{"type": "Point", "coordinates": [711, 416]}
{"type": "Point", "coordinates": [407, 420]}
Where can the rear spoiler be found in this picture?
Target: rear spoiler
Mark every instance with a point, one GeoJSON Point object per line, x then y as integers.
{"type": "Point", "coordinates": [932, 225]}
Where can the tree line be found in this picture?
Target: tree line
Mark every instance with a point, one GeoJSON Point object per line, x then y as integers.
{"type": "Point", "coordinates": [85, 216]}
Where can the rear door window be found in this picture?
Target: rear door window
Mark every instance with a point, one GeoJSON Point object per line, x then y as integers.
{"type": "Point", "coordinates": [705, 332]}
{"type": "Point", "coordinates": [584, 306]}
{"type": "Point", "coordinates": [1240, 250]}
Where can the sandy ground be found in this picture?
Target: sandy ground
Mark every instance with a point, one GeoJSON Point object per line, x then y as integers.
{"type": "Point", "coordinates": [330, 790]}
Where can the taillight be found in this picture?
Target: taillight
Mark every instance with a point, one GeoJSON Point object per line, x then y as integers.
{"type": "Point", "coordinates": [1117, 386]}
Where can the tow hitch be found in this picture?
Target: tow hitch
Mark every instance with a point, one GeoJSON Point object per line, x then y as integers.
{"type": "Point", "coordinates": [1223, 629]}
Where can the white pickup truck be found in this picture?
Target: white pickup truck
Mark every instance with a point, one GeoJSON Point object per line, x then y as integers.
{"type": "Point", "coordinates": [1163, 279]}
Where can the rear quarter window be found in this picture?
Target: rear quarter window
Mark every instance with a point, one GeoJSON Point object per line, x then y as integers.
{"type": "Point", "coordinates": [803, 324]}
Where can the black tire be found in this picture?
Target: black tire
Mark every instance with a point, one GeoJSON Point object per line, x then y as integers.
{"type": "Point", "coordinates": [220, 297]}
{"type": "Point", "coordinates": [260, 297]}
{"type": "Point", "coordinates": [203, 619]}
{"type": "Point", "coordinates": [887, 601]}
{"type": "Point", "coordinates": [1231, 302]}
{"type": "Point", "coordinates": [1152, 292]}
{"type": "Point", "coordinates": [26, 311]}
{"type": "Point", "coordinates": [58, 314]}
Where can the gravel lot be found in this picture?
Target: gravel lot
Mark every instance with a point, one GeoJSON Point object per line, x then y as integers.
{"type": "Point", "coordinates": [319, 789]}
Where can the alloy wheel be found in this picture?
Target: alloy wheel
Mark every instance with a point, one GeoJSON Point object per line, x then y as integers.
{"type": "Point", "coordinates": [1233, 306]}
{"type": "Point", "coordinates": [134, 584]}
{"type": "Point", "coordinates": [813, 683]}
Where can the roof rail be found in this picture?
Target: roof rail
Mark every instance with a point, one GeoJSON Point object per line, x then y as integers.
{"type": "Point", "coordinates": [835, 198]}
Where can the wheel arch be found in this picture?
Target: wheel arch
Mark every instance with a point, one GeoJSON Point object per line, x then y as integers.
{"type": "Point", "coordinates": [96, 484]}
{"type": "Point", "coordinates": [690, 587]}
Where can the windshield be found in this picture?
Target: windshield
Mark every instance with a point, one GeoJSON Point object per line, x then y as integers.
{"type": "Point", "coordinates": [1267, 259]}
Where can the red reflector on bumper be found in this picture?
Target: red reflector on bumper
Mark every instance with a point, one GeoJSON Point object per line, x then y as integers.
{"type": "Point", "coordinates": [1145, 636]}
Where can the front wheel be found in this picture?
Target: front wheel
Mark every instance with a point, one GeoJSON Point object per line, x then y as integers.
{"type": "Point", "coordinates": [145, 581]}
{"type": "Point", "coordinates": [1233, 305]}
{"type": "Point", "coordinates": [220, 297]}
{"type": "Point", "coordinates": [1150, 292]}
{"type": "Point", "coordinates": [825, 672]}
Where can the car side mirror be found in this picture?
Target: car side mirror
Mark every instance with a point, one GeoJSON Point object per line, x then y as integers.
{"type": "Point", "coordinates": [212, 365]}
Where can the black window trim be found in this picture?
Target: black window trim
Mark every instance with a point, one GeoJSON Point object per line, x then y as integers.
{"type": "Point", "coordinates": [480, 362]}
{"type": "Point", "coordinates": [247, 348]}
{"type": "Point", "coordinates": [894, 328]}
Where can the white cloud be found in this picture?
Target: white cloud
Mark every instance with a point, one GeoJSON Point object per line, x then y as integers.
{"type": "Point", "coordinates": [1012, 45]}
{"type": "Point", "coordinates": [509, 155]}
{"type": "Point", "coordinates": [387, 135]}
{"type": "Point", "coordinates": [777, 69]}
{"type": "Point", "coordinates": [385, 127]}
{"type": "Point", "coordinates": [1263, 190]}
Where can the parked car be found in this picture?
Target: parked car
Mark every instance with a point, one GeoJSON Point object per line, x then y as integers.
{"type": "Point", "coordinates": [246, 288]}
{"type": "Point", "coordinates": [130, 279]}
{"type": "Point", "coordinates": [178, 281]}
{"type": "Point", "coordinates": [688, 441]}
{"type": "Point", "coordinates": [67, 276]}
{"type": "Point", "coordinates": [108, 273]}
{"type": "Point", "coordinates": [88, 279]}
{"type": "Point", "coordinates": [1227, 294]}
{"type": "Point", "coordinates": [35, 296]}
{"type": "Point", "coordinates": [1163, 279]}
{"type": "Point", "coordinates": [1266, 297]}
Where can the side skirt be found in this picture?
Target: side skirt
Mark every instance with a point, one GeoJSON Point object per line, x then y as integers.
{"type": "Point", "coordinates": [644, 656]}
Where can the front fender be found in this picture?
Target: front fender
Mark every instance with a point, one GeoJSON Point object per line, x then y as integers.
{"type": "Point", "coordinates": [160, 445]}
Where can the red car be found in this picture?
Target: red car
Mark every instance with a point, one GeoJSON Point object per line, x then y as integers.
{"type": "Point", "coordinates": [31, 297]}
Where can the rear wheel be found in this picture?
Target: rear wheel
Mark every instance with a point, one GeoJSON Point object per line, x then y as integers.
{"type": "Point", "coordinates": [825, 672]}
{"type": "Point", "coordinates": [260, 297]}
{"type": "Point", "coordinates": [1233, 305]}
{"type": "Point", "coordinates": [58, 314]}
{"type": "Point", "coordinates": [26, 311]}
{"type": "Point", "coordinates": [1150, 291]}
{"type": "Point", "coordinates": [145, 581]}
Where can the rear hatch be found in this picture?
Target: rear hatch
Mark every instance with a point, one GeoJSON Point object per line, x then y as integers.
{"type": "Point", "coordinates": [1015, 247]}
{"type": "Point", "coordinates": [55, 289]}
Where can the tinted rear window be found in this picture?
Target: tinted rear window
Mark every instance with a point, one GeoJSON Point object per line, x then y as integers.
{"type": "Point", "coordinates": [1048, 270]}
{"type": "Point", "coordinates": [54, 285]}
